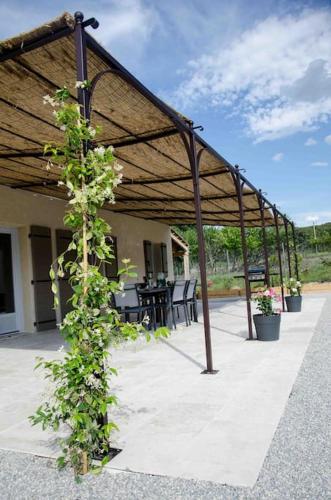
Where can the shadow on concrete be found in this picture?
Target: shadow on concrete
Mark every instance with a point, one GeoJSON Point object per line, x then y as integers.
{"type": "Point", "coordinates": [49, 340]}
{"type": "Point", "coordinates": [242, 334]}
{"type": "Point", "coordinates": [182, 353]}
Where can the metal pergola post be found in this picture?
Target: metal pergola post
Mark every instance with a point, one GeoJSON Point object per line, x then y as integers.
{"type": "Point", "coordinates": [264, 239]}
{"type": "Point", "coordinates": [83, 97]}
{"type": "Point", "coordinates": [288, 249]}
{"type": "Point", "coordinates": [239, 188]}
{"type": "Point", "coordinates": [275, 212]}
{"type": "Point", "coordinates": [295, 251]}
{"type": "Point", "coordinates": [192, 153]}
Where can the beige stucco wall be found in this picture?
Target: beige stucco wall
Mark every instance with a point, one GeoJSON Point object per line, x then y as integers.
{"type": "Point", "coordinates": [21, 209]}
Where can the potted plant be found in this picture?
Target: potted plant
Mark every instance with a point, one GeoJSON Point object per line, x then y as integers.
{"type": "Point", "coordinates": [267, 322]}
{"type": "Point", "coordinates": [294, 300]}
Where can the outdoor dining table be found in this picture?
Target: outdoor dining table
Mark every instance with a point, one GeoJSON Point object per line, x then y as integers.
{"type": "Point", "coordinates": [161, 299]}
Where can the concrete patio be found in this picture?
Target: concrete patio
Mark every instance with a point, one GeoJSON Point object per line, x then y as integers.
{"type": "Point", "coordinates": [173, 420]}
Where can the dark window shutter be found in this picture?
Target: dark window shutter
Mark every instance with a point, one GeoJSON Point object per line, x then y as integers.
{"type": "Point", "coordinates": [157, 254]}
{"type": "Point", "coordinates": [111, 269]}
{"type": "Point", "coordinates": [63, 238]}
{"type": "Point", "coordinates": [41, 249]}
{"type": "Point", "coordinates": [164, 257]}
{"type": "Point", "coordinates": [148, 254]}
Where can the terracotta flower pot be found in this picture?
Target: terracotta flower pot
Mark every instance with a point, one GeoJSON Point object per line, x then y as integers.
{"type": "Point", "coordinates": [293, 304]}
{"type": "Point", "coordinates": [267, 327]}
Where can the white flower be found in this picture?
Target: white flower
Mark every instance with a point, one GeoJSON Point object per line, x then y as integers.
{"type": "Point", "coordinates": [47, 99]}
{"type": "Point", "coordinates": [92, 132]}
{"type": "Point", "coordinates": [92, 381]}
{"type": "Point", "coordinates": [61, 348]}
{"type": "Point", "coordinates": [63, 127]}
{"type": "Point", "coordinates": [99, 150]}
{"type": "Point", "coordinates": [146, 319]}
{"type": "Point", "coordinates": [294, 289]}
{"type": "Point", "coordinates": [79, 84]}
{"type": "Point", "coordinates": [118, 167]}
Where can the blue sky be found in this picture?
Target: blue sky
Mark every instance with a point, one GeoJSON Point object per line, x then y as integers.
{"type": "Point", "coordinates": [256, 75]}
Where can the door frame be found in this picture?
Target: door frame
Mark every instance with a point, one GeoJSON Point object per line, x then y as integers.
{"type": "Point", "coordinates": [17, 275]}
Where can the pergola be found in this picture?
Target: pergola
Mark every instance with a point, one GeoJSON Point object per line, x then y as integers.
{"type": "Point", "coordinates": [171, 175]}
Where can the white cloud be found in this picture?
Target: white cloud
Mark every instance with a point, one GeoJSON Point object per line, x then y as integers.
{"type": "Point", "coordinates": [125, 27]}
{"type": "Point", "coordinates": [327, 139]}
{"type": "Point", "coordinates": [277, 75]}
{"type": "Point", "coordinates": [312, 218]}
{"type": "Point", "coordinates": [319, 164]}
{"type": "Point", "coordinates": [302, 218]}
{"type": "Point", "coordinates": [320, 216]}
{"type": "Point", "coordinates": [278, 157]}
{"type": "Point", "coordinates": [128, 18]}
{"type": "Point", "coordinates": [310, 142]}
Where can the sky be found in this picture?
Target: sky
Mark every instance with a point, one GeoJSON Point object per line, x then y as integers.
{"type": "Point", "coordinates": [256, 75]}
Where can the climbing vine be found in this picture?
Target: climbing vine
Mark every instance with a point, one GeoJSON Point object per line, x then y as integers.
{"type": "Point", "coordinates": [81, 395]}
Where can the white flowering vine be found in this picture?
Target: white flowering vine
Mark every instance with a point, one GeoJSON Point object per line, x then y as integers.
{"type": "Point", "coordinates": [81, 398]}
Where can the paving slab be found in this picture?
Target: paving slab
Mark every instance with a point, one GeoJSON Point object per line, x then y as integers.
{"type": "Point", "coordinates": [173, 420]}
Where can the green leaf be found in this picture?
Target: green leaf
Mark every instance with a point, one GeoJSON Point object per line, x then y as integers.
{"type": "Point", "coordinates": [105, 460]}
{"type": "Point", "coordinates": [100, 254]}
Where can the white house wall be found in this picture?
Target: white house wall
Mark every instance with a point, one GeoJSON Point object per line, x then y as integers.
{"type": "Point", "coordinates": [21, 209]}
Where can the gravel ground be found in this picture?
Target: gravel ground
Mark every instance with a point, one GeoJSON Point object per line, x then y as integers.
{"type": "Point", "coordinates": [297, 465]}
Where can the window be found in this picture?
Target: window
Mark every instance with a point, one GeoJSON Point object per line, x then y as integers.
{"type": "Point", "coordinates": [156, 259]}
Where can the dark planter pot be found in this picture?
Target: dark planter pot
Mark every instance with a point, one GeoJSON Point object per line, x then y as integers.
{"type": "Point", "coordinates": [267, 327]}
{"type": "Point", "coordinates": [293, 304]}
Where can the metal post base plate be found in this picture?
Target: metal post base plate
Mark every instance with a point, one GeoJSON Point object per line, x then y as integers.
{"type": "Point", "coordinates": [209, 372]}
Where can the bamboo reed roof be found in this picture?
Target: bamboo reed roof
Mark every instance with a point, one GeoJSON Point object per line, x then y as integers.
{"type": "Point", "coordinates": [157, 183]}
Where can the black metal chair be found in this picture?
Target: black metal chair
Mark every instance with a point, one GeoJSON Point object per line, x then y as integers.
{"type": "Point", "coordinates": [191, 299]}
{"type": "Point", "coordinates": [178, 299]}
{"type": "Point", "coordinates": [128, 303]}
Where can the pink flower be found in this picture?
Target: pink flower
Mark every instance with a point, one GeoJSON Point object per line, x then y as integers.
{"type": "Point", "coordinates": [267, 293]}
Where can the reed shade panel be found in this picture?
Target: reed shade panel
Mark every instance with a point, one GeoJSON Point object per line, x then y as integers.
{"type": "Point", "coordinates": [157, 183]}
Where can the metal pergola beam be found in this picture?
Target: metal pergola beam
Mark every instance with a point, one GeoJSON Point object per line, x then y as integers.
{"type": "Point", "coordinates": [288, 250]}
{"type": "Point", "coordinates": [182, 199]}
{"type": "Point", "coordinates": [190, 147]}
{"type": "Point", "coordinates": [295, 251]}
{"type": "Point", "coordinates": [183, 211]}
{"type": "Point", "coordinates": [128, 182]}
{"type": "Point", "coordinates": [239, 186]}
{"type": "Point", "coordinates": [214, 221]}
{"type": "Point", "coordinates": [178, 178]}
{"type": "Point", "coordinates": [35, 44]}
{"type": "Point", "coordinates": [279, 258]}
{"type": "Point", "coordinates": [264, 240]}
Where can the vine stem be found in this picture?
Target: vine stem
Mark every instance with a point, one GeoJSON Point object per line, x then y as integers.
{"type": "Point", "coordinates": [84, 463]}
{"type": "Point", "coordinates": [85, 260]}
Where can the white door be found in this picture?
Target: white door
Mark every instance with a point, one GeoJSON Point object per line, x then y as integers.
{"type": "Point", "coordinates": [10, 303]}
